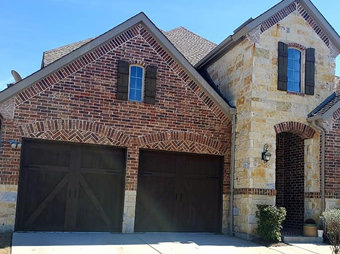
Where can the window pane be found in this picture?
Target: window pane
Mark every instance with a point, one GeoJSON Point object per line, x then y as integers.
{"type": "Point", "coordinates": [138, 95]}
{"type": "Point", "coordinates": [290, 86]}
{"type": "Point", "coordinates": [132, 82]}
{"type": "Point", "coordinates": [297, 76]}
{"type": "Point", "coordinates": [139, 72]}
{"type": "Point", "coordinates": [139, 83]}
{"type": "Point", "coordinates": [290, 75]}
{"type": "Point", "coordinates": [290, 65]}
{"type": "Point", "coordinates": [133, 71]}
{"type": "Point", "coordinates": [132, 94]}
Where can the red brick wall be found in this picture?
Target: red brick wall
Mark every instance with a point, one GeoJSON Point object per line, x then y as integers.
{"type": "Point", "coordinates": [78, 103]}
{"type": "Point", "coordinates": [332, 159]}
{"type": "Point", "coordinates": [290, 177]}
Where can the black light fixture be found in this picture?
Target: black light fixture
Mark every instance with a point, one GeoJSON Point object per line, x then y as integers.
{"type": "Point", "coordinates": [265, 154]}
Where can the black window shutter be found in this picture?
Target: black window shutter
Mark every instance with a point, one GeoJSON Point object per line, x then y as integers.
{"type": "Point", "coordinates": [310, 71]}
{"type": "Point", "coordinates": [282, 67]}
{"type": "Point", "coordinates": [150, 84]}
{"type": "Point", "coordinates": [123, 80]}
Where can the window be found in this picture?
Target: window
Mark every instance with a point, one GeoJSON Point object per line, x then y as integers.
{"type": "Point", "coordinates": [136, 83]}
{"type": "Point", "coordinates": [294, 70]}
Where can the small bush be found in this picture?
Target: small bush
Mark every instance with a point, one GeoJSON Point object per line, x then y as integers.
{"type": "Point", "coordinates": [269, 222]}
{"type": "Point", "coordinates": [331, 219]}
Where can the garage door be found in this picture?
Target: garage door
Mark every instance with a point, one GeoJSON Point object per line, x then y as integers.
{"type": "Point", "coordinates": [179, 192]}
{"type": "Point", "coordinates": [70, 187]}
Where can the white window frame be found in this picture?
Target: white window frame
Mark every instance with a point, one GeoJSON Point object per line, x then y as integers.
{"type": "Point", "coordinates": [143, 77]}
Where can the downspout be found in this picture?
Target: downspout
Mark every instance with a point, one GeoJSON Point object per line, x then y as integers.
{"type": "Point", "coordinates": [232, 172]}
{"type": "Point", "coordinates": [323, 141]}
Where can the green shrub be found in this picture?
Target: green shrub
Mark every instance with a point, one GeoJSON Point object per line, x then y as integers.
{"type": "Point", "coordinates": [269, 223]}
{"type": "Point", "coordinates": [331, 219]}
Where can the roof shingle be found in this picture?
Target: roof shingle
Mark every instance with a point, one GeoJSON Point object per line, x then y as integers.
{"type": "Point", "coordinates": [192, 46]}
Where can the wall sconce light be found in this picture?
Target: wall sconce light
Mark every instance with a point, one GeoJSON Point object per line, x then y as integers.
{"type": "Point", "coordinates": [15, 144]}
{"type": "Point", "coordinates": [265, 154]}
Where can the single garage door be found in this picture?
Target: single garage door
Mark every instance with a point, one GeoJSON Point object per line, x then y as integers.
{"type": "Point", "coordinates": [179, 192]}
{"type": "Point", "coordinates": [70, 187]}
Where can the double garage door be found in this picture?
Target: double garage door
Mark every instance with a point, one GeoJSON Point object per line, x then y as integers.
{"type": "Point", "coordinates": [77, 187]}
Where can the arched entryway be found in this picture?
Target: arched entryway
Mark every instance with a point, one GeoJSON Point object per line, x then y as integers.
{"type": "Point", "coordinates": [290, 172]}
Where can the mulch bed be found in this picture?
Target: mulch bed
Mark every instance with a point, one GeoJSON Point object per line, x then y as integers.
{"type": "Point", "coordinates": [267, 243]}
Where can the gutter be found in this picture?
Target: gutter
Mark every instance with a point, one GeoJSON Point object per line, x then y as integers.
{"type": "Point", "coordinates": [232, 172]}
{"type": "Point", "coordinates": [323, 141]}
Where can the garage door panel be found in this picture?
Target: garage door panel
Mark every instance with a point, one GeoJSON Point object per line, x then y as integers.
{"type": "Point", "coordinates": [155, 207]}
{"type": "Point", "coordinates": [44, 204]}
{"type": "Point", "coordinates": [199, 205]}
{"type": "Point", "coordinates": [102, 158]}
{"type": "Point", "coordinates": [45, 154]}
{"type": "Point", "coordinates": [52, 216]}
{"type": "Point", "coordinates": [201, 165]}
{"type": "Point", "coordinates": [100, 200]}
{"type": "Point", "coordinates": [157, 162]}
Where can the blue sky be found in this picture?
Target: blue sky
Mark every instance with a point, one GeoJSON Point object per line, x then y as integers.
{"type": "Point", "coordinates": [29, 27]}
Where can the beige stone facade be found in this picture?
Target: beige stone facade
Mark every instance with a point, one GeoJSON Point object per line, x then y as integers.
{"type": "Point", "coordinates": [247, 76]}
{"type": "Point", "coordinates": [8, 199]}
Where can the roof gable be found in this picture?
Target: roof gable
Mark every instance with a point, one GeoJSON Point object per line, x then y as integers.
{"type": "Point", "coordinates": [253, 28]}
{"type": "Point", "coordinates": [95, 48]}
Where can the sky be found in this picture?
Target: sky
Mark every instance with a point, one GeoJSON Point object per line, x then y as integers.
{"type": "Point", "coordinates": [30, 27]}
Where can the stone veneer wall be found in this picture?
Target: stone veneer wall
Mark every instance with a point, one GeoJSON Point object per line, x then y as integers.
{"type": "Point", "coordinates": [78, 104]}
{"type": "Point", "coordinates": [261, 106]}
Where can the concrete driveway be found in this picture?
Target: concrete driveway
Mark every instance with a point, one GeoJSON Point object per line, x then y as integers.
{"type": "Point", "coordinates": [149, 243]}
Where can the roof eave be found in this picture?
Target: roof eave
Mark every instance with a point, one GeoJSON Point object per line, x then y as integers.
{"type": "Point", "coordinates": [322, 22]}
{"type": "Point", "coordinates": [314, 118]}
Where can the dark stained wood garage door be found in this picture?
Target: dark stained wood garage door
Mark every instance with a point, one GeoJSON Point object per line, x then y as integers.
{"type": "Point", "coordinates": [70, 187]}
{"type": "Point", "coordinates": [179, 192]}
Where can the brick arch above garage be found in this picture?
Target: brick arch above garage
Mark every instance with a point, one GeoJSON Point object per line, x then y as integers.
{"type": "Point", "coordinates": [74, 130]}
{"type": "Point", "coordinates": [183, 142]}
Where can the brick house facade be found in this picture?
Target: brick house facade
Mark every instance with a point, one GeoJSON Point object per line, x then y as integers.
{"type": "Point", "coordinates": [74, 99]}
{"type": "Point", "coordinates": [78, 104]}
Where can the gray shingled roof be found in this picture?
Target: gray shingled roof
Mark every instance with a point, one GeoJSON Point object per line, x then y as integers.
{"type": "Point", "coordinates": [54, 54]}
{"type": "Point", "coordinates": [192, 46]}
{"type": "Point", "coordinates": [326, 104]}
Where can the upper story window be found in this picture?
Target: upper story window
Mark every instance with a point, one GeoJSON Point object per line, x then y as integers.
{"type": "Point", "coordinates": [136, 83]}
{"type": "Point", "coordinates": [294, 70]}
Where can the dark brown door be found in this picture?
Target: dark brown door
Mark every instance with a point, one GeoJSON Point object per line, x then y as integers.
{"type": "Point", "coordinates": [179, 192]}
{"type": "Point", "coordinates": [70, 187]}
